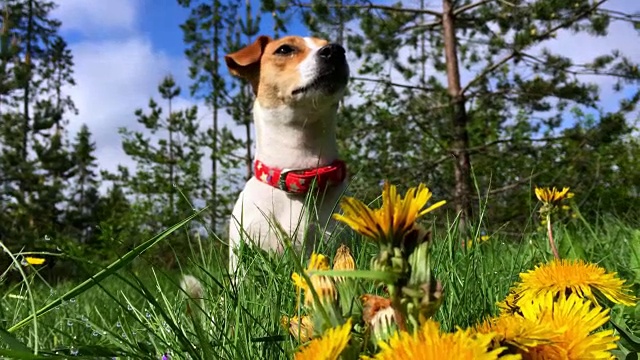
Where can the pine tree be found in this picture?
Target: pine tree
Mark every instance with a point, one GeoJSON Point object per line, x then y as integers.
{"type": "Point", "coordinates": [167, 179]}
{"type": "Point", "coordinates": [241, 103]}
{"type": "Point", "coordinates": [204, 36]}
{"type": "Point", "coordinates": [82, 218]}
{"type": "Point", "coordinates": [119, 224]}
{"type": "Point", "coordinates": [498, 126]}
{"type": "Point", "coordinates": [36, 65]}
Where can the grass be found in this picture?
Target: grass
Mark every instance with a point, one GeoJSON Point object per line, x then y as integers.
{"type": "Point", "coordinates": [124, 314]}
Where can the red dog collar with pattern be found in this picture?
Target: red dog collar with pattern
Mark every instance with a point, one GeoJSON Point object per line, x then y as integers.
{"type": "Point", "coordinates": [299, 181]}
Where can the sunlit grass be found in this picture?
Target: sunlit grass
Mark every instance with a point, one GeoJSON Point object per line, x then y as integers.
{"type": "Point", "coordinates": [124, 314]}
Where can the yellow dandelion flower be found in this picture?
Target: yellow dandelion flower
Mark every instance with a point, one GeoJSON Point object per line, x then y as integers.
{"type": "Point", "coordinates": [578, 277]}
{"type": "Point", "coordinates": [429, 343]}
{"type": "Point", "coordinates": [575, 319]}
{"type": "Point", "coordinates": [327, 347]}
{"type": "Point", "coordinates": [299, 327]}
{"type": "Point", "coordinates": [517, 331]}
{"type": "Point", "coordinates": [343, 261]}
{"type": "Point", "coordinates": [510, 304]}
{"type": "Point", "coordinates": [552, 195]}
{"type": "Point", "coordinates": [34, 260]}
{"type": "Point", "coordinates": [323, 285]}
{"type": "Point", "coordinates": [393, 219]}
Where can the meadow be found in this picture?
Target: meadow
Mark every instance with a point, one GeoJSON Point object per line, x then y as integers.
{"type": "Point", "coordinates": [145, 314]}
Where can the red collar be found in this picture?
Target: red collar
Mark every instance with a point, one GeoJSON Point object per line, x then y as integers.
{"type": "Point", "coordinates": [299, 181]}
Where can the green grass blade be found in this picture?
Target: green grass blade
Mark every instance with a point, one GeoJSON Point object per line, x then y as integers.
{"type": "Point", "coordinates": [24, 355]}
{"type": "Point", "coordinates": [13, 343]}
{"type": "Point", "coordinates": [362, 274]}
{"type": "Point", "coordinates": [106, 272]}
{"type": "Point", "coordinates": [629, 340]}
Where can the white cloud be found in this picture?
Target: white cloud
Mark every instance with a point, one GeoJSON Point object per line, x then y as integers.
{"type": "Point", "coordinates": [114, 78]}
{"type": "Point", "coordinates": [117, 70]}
{"type": "Point", "coordinates": [98, 17]}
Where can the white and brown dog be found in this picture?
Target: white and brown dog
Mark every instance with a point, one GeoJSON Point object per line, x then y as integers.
{"type": "Point", "coordinates": [298, 83]}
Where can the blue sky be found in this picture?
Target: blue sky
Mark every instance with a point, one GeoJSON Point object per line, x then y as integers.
{"type": "Point", "coordinates": [123, 49]}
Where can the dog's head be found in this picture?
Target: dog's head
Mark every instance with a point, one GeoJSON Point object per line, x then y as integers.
{"type": "Point", "coordinates": [292, 71]}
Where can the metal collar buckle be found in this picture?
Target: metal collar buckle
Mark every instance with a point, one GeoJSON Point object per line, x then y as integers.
{"type": "Point", "coordinates": [282, 182]}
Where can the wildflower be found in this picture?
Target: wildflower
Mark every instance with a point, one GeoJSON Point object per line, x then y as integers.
{"type": "Point", "coordinates": [510, 304]}
{"type": "Point", "coordinates": [327, 347]}
{"type": "Point", "coordinates": [394, 219]}
{"type": "Point", "coordinates": [550, 199]}
{"type": "Point", "coordinates": [34, 260]}
{"type": "Point", "coordinates": [343, 261]}
{"type": "Point", "coordinates": [300, 328]}
{"type": "Point", "coordinates": [517, 332]}
{"type": "Point", "coordinates": [575, 320]}
{"type": "Point", "coordinates": [379, 315]}
{"type": "Point", "coordinates": [552, 196]}
{"type": "Point", "coordinates": [323, 285]}
{"type": "Point", "coordinates": [478, 240]}
{"type": "Point", "coordinates": [578, 277]}
{"type": "Point", "coordinates": [429, 343]}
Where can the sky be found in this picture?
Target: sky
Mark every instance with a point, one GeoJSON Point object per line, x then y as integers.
{"type": "Point", "coordinates": [123, 48]}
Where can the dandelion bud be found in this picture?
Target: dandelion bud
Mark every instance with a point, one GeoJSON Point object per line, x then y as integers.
{"type": "Point", "coordinates": [323, 285]}
{"type": "Point", "coordinates": [343, 261]}
{"type": "Point", "coordinates": [300, 328]}
{"type": "Point", "coordinates": [419, 261]}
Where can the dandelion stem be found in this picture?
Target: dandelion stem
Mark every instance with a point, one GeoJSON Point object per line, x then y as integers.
{"type": "Point", "coordinates": [552, 243]}
{"type": "Point", "coordinates": [398, 314]}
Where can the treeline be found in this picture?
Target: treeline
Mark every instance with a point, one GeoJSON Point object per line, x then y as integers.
{"type": "Point", "coordinates": [463, 96]}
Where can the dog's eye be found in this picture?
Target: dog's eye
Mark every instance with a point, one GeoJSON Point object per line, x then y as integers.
{"type": "Point", "coordinates": [285, 50]}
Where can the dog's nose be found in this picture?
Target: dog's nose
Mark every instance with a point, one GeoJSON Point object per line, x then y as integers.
{"type": "Point", "coordinates": [331, 52]}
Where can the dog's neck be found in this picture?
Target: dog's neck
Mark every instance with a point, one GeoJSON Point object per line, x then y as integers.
{"type": "Point", "coordinates": [295, 138]}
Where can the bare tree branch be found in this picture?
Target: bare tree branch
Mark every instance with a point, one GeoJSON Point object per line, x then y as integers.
{"type": "Point", "coordinates": [516, 52]}
{"type": "Point", "coordinates": [371, 6]}
{"type": "Point", "coordinates": [470, 6]}
{"type": "Point", "coordinates": [489, 70]}
{"type": "Point", "coordinates": [390, 83]}
{"type": "Point", "coordinates": [619, 15]}
{"type": "Point", "coordinates": [424, 26]}
{"type": "Point", "coordinates": [515, 184]}
{"type": "Point", "coordinates": [504, 141]}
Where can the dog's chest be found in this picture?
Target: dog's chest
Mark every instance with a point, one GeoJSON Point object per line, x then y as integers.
{"type": "Point", "coordinates": [295, 214]}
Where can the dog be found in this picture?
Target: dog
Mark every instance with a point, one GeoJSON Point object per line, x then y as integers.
{"type": "Point", "coordinates": [298, 83]}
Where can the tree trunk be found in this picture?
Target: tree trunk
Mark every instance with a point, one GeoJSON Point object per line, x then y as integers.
{"type": "Point", "coordinates": [459, 119]}
{"type": "Point", "coordinates": [215, 107]}
{"type": "Point", "coordinates": [248, 118]}
{"type": "Point", "coordinates": [27, 84]}
{"type": "Point", "coordinates": [172, 185]}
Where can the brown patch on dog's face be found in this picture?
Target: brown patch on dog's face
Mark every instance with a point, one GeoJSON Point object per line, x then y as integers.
{"type": "Point", "coordinates": [291, 70]}
{"type": "Point", "coordinates": [280, 68]}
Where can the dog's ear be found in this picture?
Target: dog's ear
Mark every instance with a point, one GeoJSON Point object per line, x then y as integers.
{"type": "Point", "coordinates": [245, 63]}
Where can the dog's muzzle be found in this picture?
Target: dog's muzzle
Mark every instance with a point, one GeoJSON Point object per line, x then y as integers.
{"type": "Point", "coordinates": [333, 71]}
